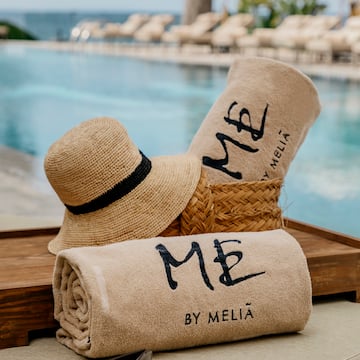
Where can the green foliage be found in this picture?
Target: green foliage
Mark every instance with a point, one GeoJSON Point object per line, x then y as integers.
{"type": "Point", "coordinates": [269, 13]}
{"type": "Point", "coordinates": [16, 33]}
{"type": "Point", "coordinates": [302, 7]}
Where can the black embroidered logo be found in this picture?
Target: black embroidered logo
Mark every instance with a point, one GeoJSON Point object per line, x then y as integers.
{"type": "Point", "coordinates": [225, 277]}
{"type": "Point", "coordinates": [283, 141]}
{"type": "Point", "coordinates": [238, 313]}
{"type": "Point", "coordinates": [169, 260]}
{"type": "Point", "coordinates": [256, 134]}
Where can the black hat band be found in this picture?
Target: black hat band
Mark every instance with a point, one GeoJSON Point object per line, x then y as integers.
{"type": "Point", "coordinates": [121, 189]}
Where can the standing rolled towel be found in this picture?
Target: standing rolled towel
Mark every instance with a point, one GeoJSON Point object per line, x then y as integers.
{"type": "Point", "coordinates": [254, 129]}
{"type": "Point", "coordinates": [178, 292]}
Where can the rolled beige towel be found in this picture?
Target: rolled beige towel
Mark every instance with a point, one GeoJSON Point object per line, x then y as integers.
{"type": "Point", "coordinates": [256, 126]}
{"type": "Point", "coordinates": [179, 292]}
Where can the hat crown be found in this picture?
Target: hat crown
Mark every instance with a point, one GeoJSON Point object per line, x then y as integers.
{"type": "Point", "coordinates": [90, 159]}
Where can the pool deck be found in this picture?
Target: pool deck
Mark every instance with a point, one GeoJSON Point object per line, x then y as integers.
{"type": "Point", "coordinates": [27, 199]}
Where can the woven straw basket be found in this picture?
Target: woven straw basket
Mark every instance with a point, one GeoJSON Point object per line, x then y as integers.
{"type": "Point", "coordinates": [230, 207]}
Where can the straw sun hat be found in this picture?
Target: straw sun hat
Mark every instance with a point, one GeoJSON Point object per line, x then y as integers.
{"type": "Point", "coordinates": [111, 191]}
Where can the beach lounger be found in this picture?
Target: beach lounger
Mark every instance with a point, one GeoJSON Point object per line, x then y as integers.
{"type": "Point", "coordinates": [336, 43]}
{"type": "Point", "coordinates": [263, 38]}
{"type": "Point", "coordinates": [126, 29]}
{"type": "Point", "coordinates": [196, 33]}
{"type": "Point", "coordinates": [154, 28]}
{"type": "Point", "coordinates": [314, 27]}
{"type": "Point", "coordinates": [355, 52]}
{"type": "Point", "coordinates": [234, 27]}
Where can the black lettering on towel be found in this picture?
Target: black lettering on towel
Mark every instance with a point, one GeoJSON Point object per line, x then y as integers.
{"type": "Point", "coordinates": [169, 260]}
{"type": "Point", "coordinates": [225, 278]}
{"type": "Point", "coordinates": [256, 134]}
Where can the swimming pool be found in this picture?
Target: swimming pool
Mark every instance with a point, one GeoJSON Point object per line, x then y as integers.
{"type": "Point", "coordinates": [45, 93]}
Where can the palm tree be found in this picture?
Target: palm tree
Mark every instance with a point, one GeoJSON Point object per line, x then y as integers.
{"type": "Point", "coordinates": [304, 7]}
{"type": "Point", "coordinates": [276, 10]}
{"type": "Point", "coordinates": [253, 6]}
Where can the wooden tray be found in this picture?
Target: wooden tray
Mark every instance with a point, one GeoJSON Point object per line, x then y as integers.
{"type": "Point", "coordinates": [26, 301]}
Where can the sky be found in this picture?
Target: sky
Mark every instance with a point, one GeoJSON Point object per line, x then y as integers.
{"type": "Point", "coordinates": [173, 6]}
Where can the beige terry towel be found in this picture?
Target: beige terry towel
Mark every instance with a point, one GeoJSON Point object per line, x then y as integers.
{"type": "Point", "coordinates": [254, 129]}
{"type": "Point", "coordinates": [178, 292]}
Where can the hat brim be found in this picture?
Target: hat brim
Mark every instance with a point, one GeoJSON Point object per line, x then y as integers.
{"type": "Point", "coordinates": [143, 213]}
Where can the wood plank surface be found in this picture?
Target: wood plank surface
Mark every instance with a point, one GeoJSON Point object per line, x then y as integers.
{"type": "Point", "coordinates": [333, 259]}
{"type": "Point", "coordinates": [24, 310]}
{"type": "Point", "coordinates": [25, 260]}
{"type": "Point", "coordinates": [310, 232]}
{"type": "Point", "coordinates": [26, 267]}
{"type": "Point", "coordinates": [26, 300]}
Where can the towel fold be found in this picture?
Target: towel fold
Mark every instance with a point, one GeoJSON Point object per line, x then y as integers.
{"type": "Point", "coordinates": [256, 126]}
{"type": "Point", "coordinates": [178, 292]}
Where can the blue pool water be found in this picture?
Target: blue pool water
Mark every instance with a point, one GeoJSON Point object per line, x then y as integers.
{"type": "Point", "coordinates": [43, 94]}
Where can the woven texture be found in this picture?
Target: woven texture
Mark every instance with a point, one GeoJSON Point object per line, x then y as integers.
{"type": "Point", "coordinates": [111, 190]}
{"type": "Point", "coordinates": [230, 207]}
